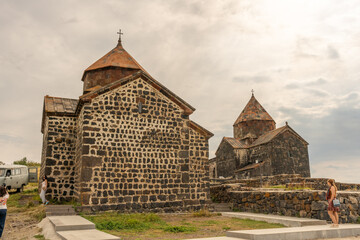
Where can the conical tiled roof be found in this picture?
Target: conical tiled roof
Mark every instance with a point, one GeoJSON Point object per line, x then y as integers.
{"type": "Point", "coordinates": [253, 111]}
{"type": "Point", "coordinates": [117, 57]}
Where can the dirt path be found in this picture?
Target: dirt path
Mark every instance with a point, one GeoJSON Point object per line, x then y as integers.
{"type": "Point", "coordinates": [20, 226]}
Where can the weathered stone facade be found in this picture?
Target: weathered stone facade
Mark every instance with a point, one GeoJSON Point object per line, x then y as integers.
{"type": "Point", "coordinates": [58, 156]}
{"type": "Point", "coordinates": [296, 203]}
{"type": "Point", "coordinates": [133, 146]}
{"type": "Point", "coordinates": [259, 149]}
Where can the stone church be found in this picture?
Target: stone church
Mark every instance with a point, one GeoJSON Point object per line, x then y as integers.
{"type": "Point", "coordinates": [258, 148]}
{"type": "Point", "coordinates": [126, 144]}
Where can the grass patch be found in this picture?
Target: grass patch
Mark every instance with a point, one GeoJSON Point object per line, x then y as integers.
{"type": "Point", "coordinates": [39, 236]}
{"type": "Point", "coordinates": [27, 202]}
{"type": "Point", "coordinates": [180, 229]}
{"type": "Point", "coordinates": [147, 226]}
{"type": "Point", "coordinates": [114, 221]}
{"type": "Point", "coordinates": [202, 213]}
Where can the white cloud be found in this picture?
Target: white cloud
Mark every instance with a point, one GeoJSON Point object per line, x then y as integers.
{"type": "Point", "coordinates": [300, 57]}
{"type": "Point", "coordinates": [341, 171]}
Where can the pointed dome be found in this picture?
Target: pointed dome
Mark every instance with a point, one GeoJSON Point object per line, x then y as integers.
{"type": "Point", "coordinates": [114, 65]}
{"type": "Point", "coordinates": [253, 111]}
{"type": "Point", "coordinates": [117, 57]}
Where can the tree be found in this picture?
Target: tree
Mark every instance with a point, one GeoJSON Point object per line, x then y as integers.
{"type": "Point", "coordinates": [25, 162]}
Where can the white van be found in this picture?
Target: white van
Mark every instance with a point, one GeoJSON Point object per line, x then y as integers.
{"type": "Point", "coordinates": [14, 176]}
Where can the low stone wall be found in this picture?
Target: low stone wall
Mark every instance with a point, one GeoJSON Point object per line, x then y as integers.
{"type": "Point", "coordinates": [293, 180]}
{"type": "Point", "coordinates": [305, 203]}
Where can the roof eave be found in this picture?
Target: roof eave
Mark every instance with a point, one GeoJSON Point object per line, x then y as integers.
{"type": "Point", "coordinates": [201, 129]}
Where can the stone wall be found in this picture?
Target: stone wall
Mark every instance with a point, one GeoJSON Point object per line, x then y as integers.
{"type": "Point", "coordinates": [298, 203]}
{"type": "Point", "coordinates": [289, 155]}
{"type": "Point", "coordinates": [58, 156]}
{"type": "Point", "coordinates": [103, 77]}
{"type": "Point", "coordinates": [293, 181]}
{"type": "Point", "coordinates": [256, 127]}
{"type": "Point", "coordinates": [140, 159]}
{"type": "Point", "coordinates": [226, 161]}
{"type": "Point", "coordinates": [310, 204]}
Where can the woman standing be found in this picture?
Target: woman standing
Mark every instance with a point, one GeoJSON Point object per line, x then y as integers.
{"type": "Point", "coordinates": [43, 190]}
{"type": "Point", "coordinates": [4, 196]}
{"type": "Point", "coordinates": [330, 196]}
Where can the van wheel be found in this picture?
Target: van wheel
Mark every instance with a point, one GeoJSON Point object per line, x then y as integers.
{"type": "Point", "coordinates": [21, 189]}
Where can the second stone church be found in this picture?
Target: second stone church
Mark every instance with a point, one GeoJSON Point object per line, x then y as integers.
{"type": "Point", "coordinates": [258, 148]}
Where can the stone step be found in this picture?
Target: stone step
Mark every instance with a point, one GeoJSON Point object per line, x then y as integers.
{"type": "Point", "coordinates": [51, 214]}
{"type": "Point", "coordinates": [287, 221]}
{"type": "Point", "coordinates": [86, 235]}
{"type": "Point", "coordinates": [58, 206]}
{"type": "Point", "coordinates": [299, 233]}
{"type": "Point", "coordinates": [59, 210]}
{"type": "Point", "coordinates": [69, 223]}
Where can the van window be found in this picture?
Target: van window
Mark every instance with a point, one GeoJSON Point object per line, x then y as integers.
{"type": "Point", "coordinates": [12, 172]}
{"type": "Point", "coordinates": [2, 172]}
{"type": "Point", "coordinates": [17, 171]}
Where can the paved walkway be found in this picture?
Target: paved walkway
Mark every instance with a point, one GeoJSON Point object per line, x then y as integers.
{"type": "Point", "coordinates": [298, 233]}
{"type": "Point", "coordinates": [287, 221]}
{"type": "Point", "coordinates": [78, 228]}
{"type": "Point", "coordinates": [300, 229]}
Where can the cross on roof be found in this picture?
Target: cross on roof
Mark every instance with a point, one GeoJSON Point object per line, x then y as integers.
{"type": "Point", "coordinates": [120, 33]}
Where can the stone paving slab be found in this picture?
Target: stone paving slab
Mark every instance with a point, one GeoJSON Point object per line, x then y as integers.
{"type": "Point", "coordinates": [91, 234]}
{"type": "Point", "coordinates": [287, 221]}
{"type": "Point", "coordinates": [68, 223]}
{"type": "Point", "coordinates": [298, 233]}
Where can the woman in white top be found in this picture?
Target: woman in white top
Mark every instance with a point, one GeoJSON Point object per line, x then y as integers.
{"type": "Point", "coordinates": [43, 190]}
{"type": "Point", "coordinates": [4, 196]}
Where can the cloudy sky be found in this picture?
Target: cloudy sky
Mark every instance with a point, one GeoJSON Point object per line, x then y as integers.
{"type": "Point", "coordinates": [302, 58]}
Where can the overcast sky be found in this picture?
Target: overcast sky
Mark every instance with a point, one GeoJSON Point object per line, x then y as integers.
{"type": "Point", "coordinates": [302, 58]}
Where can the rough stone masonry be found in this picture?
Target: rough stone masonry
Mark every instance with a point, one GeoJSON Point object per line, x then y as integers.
{"type": "Point", "coordinates": [126, 144]}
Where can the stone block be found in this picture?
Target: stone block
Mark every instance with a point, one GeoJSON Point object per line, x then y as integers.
{"type": "Point", "coordinates": [50, 162]}
{"type": "Point", "coordinates": [85, 149]}
{"type": "Point", "coordinates": [184, 167]}
{"type": "Point", "coordinates": [84, 198]}
{"type": "Point", "coordinates": [90, 161]}
{"type": "Point", "coordinates": [302, 213]}
{"type": "Point", "coordinates": [185, 178]}
{"type": "Point", "coordinates": [86, 174]}
{"type": "Point", "coordinates": [353, 200]}
{"type": "Point", "coordinates": [316, 206]}
{"type": "Point", "coordinates": [184, 154]}
{"type": "Point", "coordinates": [49, 151]}
{"type": "Point", "coordinates": [89, 140]}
